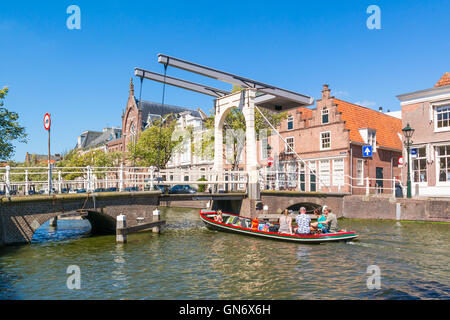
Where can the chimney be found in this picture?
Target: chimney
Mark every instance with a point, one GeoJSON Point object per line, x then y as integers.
{"type": "Point", "coordinates": [325, 92]}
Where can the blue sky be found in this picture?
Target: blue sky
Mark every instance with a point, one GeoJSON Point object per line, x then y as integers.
{"type": "Point", "coordinates": [81, 76]}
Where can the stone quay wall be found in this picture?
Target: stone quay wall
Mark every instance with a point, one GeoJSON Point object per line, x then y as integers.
{"type": "Point", "coordinates": [20, 217]}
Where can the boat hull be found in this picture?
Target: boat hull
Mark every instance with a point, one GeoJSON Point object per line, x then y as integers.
{"type": "Point", "coordinates": [208, 220]}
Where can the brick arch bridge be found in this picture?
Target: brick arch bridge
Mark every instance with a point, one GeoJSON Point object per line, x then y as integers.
{"type": "Point", "coordinates": [20, 217]}
{"type": "Point", "coordinates": [285, 199]}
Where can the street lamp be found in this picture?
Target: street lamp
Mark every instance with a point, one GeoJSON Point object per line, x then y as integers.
{"type": "Point", "coordinates": [408, 132]}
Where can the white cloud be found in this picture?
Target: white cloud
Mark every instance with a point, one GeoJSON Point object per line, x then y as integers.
{"type": "Point", "coordinates": [366, 103]}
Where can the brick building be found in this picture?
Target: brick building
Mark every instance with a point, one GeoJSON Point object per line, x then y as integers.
{"type": "Point", "coordinates": [329, 138]}
{"type": "Point", "coordinates": [140, 114]}
{"type": "Point", "coordinates": [428, 112]}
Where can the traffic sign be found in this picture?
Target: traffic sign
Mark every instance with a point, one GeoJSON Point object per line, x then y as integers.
{"type": "Point", "coordinates": [367, 151]}
{"type": "Point", "coordinates": [270, 161]}
{"type": "Point", "coordinates": [47, 121]}
{"type": "Point", "coordinates": [400, 161]}
{"type": "Point", "coordinates": [413, 153]}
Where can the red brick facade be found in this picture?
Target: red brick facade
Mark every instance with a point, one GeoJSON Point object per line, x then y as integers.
{"type": "Point", "coordinates": [329, 139]}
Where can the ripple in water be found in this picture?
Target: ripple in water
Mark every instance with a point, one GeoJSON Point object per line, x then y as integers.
{"type": "Point", "coordinates": [188, 261]}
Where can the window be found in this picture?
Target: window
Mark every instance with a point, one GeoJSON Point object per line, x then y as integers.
{"type": "Point", "coordinates": [443, 117]}
{"type": "Point", "coordinates": [420, 166]}
{"type": "Point", "coordinates": [289, 145]}
{"type": "Point", "coordinates": [264, 143]}
{"type": "Point", "coordinates": [324, 115]}
{"type": "Point", "coordinates": [338, 172]}
{"type": "Point", "coordinates": [325, 140]}
{"type": "Point", "coordinates": [312, 176]}
{"type": "Point", "coordinates": [359, 172]}
{"type": "Point", "coordinates": [302, 177]}
{"type": "Point", "coordinates": [372, 139]}
{"type": "Point", "coordinates": [324, 172]}
{"type": "Point", "coordinates": [290, 123]}
{"type": "Point", "coordinates": [443, 156]}
{"type": "Point", "coordinates": [291, 169]}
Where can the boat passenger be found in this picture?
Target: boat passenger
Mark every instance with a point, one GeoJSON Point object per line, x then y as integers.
{"type": "Point", "coordinates": [218, 217]}
{"type": "Point", "coordinates": [331, 221]}
{"type": "Point", "coordinates": [285, 223]}
{"type": "Point", "coordinates": [255, 224]}
{"type": "Point", "coordinates": [303, 222]}
{"type": "Point", "coordinates": [315, 225]}
{"type": "Point", "coordinates": [321, 221]}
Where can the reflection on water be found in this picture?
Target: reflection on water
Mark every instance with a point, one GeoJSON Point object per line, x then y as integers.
{"type": "Point", "coordinates": [188, 261]}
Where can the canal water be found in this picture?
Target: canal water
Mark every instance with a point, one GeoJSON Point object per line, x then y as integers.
{"type": "Point", "coordinates": [188, 261]}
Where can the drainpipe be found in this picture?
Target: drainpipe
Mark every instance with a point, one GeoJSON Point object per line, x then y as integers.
{"type": "Point", "coordinates": [351, 168]}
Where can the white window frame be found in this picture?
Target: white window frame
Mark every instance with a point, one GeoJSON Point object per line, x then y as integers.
{"type": "Point", "coordinates": [360, 179]}
{"type": "Point", "coordinates": [325, 179]}
{"type": "Point", "coordinates": [338, 176]}
{"type": "Point", "coordinates": [321, 144]}
{"type": "Point", "coordinates": [434, 107]}
{"type": "Point", "coordinates": [286, 149]}
{"type": "Point", "coordinates": [264, 152]}
{"type": "Point", "coordinates": [438, 159]}
{"type": "Point", "coordinates": [290, 119]}
{"type": "Point", "coordinates": [424, 183]}
{"type": "Point", "coordinates": [322, 113]}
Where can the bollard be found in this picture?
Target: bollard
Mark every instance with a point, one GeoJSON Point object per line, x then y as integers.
{"type": "Point", "coordinates": [156, 216]}
{"type": "Point", "coordinates": [121, 223]}
{"type": "Point", "coordinates": [53, 222]}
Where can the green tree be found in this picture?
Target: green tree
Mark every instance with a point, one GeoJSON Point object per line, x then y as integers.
{"type": "Point", "coordinates": [149, 147]}
{"type": "Point", "coordinates": [10, 130]}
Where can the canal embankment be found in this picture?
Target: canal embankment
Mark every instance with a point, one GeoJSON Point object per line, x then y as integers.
{"type": "Point", "coordinates": [404, 209]}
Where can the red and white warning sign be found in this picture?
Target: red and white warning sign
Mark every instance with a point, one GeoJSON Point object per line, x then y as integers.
{"type": "Point", "coordinates": [400, 161]}
{"type": "Point", "coordinates": [270, 161]}
{"type": "Point", "coordinates": [47, 121]}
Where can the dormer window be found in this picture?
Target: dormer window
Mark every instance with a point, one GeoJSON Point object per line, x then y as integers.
{"type": "Point", "coordinates": [325, 115]}
{"type": "Point", "coordinates": [290, 123]}
{"type": "Point", "coordinates": [369, 137]}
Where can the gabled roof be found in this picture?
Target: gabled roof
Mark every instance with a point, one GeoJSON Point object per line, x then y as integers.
{"type": "Point", "coordinates": [444, 81]}
{"type": "Point", "coordinates": [357, 117]}
{"type": "Point", "coordinates": [155, 108]}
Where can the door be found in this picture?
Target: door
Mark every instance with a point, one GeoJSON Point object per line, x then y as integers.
{"type": "Point", "coordinates": [379, 181]}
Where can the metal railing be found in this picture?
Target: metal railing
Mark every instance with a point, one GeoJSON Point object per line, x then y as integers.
{"type": "Point", "coordinates": [332, 182]}
{"type": "Point", "coordinates": [48, 180]}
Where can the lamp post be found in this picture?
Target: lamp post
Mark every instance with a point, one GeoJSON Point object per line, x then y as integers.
{"type": "Point", "coordinates": [408, 132]}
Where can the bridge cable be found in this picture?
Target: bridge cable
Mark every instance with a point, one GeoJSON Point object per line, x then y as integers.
{"type": "Point", "coordinates": [162, 109]}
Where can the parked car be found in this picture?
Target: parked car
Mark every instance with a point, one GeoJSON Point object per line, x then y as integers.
{"type": "Point", "coordinates": [131, 189]}
{"type": "Point", "coordinates": [179, 189]}
{"type": "Point", "coordinates": [42, 191]}
{"type": "Point", "coordinates": [65, 190]}
{"type": "Point", "coordinates": [99, 190]}
{"type": "Point", "coordinates": [112, 189]}
{"type": "Point", "coordinates": [72, 191]}
{"type": "Point", "coordinates": [2, 193]}
{"type": "Point", "coordinates": [162, 188]}
{"type": "Point", "coordinates": [13, 192]}
{"type": "Point", "coordinates": [81, 190]}
{"type": "Point", "coordinates": [31, 192]}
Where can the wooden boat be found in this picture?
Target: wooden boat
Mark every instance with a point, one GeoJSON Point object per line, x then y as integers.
{"type": "Point", "coordinates": [242, 225]}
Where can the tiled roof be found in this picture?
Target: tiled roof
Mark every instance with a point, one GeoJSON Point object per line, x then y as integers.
{"type": "Point", "coordinates": [306, 113]}
{"type": "Point", "coordinates": [357, 117]}
{"type": "Point", "coordinates": [444, 80]}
